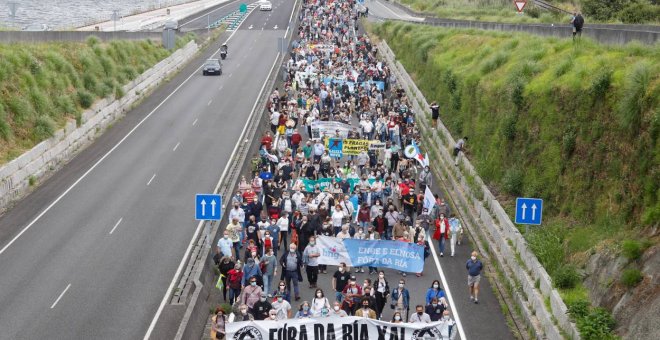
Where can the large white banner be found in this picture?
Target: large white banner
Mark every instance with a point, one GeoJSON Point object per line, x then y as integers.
{"type": "Point", "coordinates": [338, 328]}
{"type": "Point", "coordinates": [333, 251]}
{"type": "Point", "coordinates": [322, 129]}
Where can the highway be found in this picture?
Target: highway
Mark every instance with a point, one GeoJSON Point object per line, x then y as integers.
{"type": "Point", "coordinates": [91, 252]}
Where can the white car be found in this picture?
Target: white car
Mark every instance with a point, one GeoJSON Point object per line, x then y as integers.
{"type": "Point", "coordinates": [265, 6]}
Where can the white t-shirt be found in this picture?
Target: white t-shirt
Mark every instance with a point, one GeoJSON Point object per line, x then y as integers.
{"type": "Point", "coordinates": [282, 309]}
{"type": "Point", "coordinates": [283, 222]}
{"type": "Point", "coordinates": [318, 304]}
{"type": "Point", "coordinates": [337, 218]}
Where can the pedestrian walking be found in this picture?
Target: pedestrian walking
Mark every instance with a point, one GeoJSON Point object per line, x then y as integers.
{"type": "Point", "coordinates": [401, 299]}
{"type": "Point", "coordinates": [441, 233]}
{"type": "Point", "coordinates": [310, 259]}
{"type": "Point", "coordinates": [456, 232]}
{"type": "Point", "coordinates": [474, 267]}
{"type": "Point", "coordinates": [291, 263]}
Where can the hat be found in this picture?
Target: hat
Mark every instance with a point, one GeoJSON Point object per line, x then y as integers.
{"type": "Point", "coordinates": [353, 278]}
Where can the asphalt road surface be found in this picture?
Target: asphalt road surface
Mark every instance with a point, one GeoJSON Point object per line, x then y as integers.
{"type": "Point", "coordinates": [213, 14]}
{"type": "Point", "coordinates": [91, 252]}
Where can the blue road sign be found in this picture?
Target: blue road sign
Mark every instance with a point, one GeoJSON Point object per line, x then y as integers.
{"type": "Point", "coordinates": [208, 207]}
{"type": "Point", "coordinates": [529, 210]}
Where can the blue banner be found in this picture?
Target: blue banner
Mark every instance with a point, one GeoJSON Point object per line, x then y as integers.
{"type": "Point", "coordinates": [402, 256]}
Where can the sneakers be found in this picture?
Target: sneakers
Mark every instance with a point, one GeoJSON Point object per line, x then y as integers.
{"type": "Point", "coordinates": [471, 298]}
{"type": "Point", "coordinates": [452, 255]}
{"type": "Point", "coordinates": [418, 275]}
{"type": "Point", "coordinates": [442, 254]}
{"type": "Point", "coordinates": [476, 301]}
{"type": "Point", "coordinates": [404, 274]}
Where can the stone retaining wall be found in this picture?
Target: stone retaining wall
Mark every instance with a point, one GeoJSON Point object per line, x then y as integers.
{"type": "Point", "coordinates": [19, 175]}
{"type": "Point", "coordinates": [487, 220]}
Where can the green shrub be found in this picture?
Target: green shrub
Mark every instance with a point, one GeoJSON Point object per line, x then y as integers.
{"type": "Point", "coordinates": [494, 62]}
{"type": "Point", "coordinates": [578, 309]}
{"type": "Point", "coordinates": [638, 13]}
{"type": "Point", "coordinates": [89, 81]}
{"type": "Point", "coordinates": [512, 182]}
{"type": "Point", "coordinates": [85, 99]}
{"type": "Point", "coordinates": [632, 249]}
{"type": "Point", "coordinates": [631, 277]}
{"type": "Point", "coordinates": [602, 10]}
{"type": "Point", "coordinates": [5, 128]}
{"type": "Point", "coordinates": [634, 99]}
{"type": "Point", "coordinates": [533, 11]}
{"type": "Point", "coordinates": [21, 109]}
{"type": "Point", "coordinates": [44, 128]}
{"type": "Point", "coordinates": [509, 127]}
{"type": "Point", "coordinates": [601, 84]}
{"type": "Point", "coordinates": [566, 277]}
{"type": "Point", "coordinates": [597, 325]}
{"type": "Point", "coordinates": [93, 41]}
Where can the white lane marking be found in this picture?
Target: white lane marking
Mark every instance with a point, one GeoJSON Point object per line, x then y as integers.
{"type": "Point", "coordinates": [59, 198]}
{"type": "Point", "coordinates": [176, 146]}
{"type": "Point", "coordinates": [209, 103]}
{"type": "Point", "coordinates": [195, 122]}
{"type": "Point", "coordinates": [116, 225]}
{"type": "Point", "coordinates": [152, 178]}
{"type": "Point", "coordinates": [201, 223]}
{"type": "Point", "coordinates": [457, 318]}
{"type": "Point", "coordinates": [295, 4]}
{"type": "Point", "coordinates": [60, 297]}
{"type": "Point", "coordinates": [205, 15]}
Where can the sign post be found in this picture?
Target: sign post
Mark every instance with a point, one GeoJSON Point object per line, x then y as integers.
{"type": "Point", "coordinates": [520, 4]}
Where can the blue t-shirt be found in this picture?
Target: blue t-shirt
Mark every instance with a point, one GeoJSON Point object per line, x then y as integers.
{"type": "Point", "coordinates": [474, 267]}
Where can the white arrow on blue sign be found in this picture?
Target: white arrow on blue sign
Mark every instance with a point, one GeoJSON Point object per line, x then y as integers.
{"type": "Point", "coordinates": [529, 210]}
{"type": "Point", "coordinates": [208, 207]}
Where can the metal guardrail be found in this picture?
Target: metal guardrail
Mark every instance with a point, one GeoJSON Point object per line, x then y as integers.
{"type": "Point", "coordinates": [549, 7]}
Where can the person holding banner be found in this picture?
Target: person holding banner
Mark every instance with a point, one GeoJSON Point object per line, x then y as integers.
{"type": "Point", "coordinates": [218, 322]}
{"type": "Point", "coordinates": [366, 311]}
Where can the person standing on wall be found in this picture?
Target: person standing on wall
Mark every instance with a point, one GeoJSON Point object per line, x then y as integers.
{"type": "Point", "coordinates": [458, 148]}
{"type": "Point", "coordinates": [435, 114]}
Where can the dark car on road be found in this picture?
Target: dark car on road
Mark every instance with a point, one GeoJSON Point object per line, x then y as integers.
{"type": "Point", "coordinates": [212, 66]}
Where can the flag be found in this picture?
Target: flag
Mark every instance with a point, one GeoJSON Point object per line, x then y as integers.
{"type": "Point", "coordinates": [418, 154]}
{"type": "Point", "coordinates": [429, 199]}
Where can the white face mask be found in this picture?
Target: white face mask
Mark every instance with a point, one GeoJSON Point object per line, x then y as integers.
{"type": "Point", "coordinates": [336, 308]}
{"type": "Point", "coordinates": [397, 318]}
{"type": "Point", "coordinates": [381, 275]}
{"type": "Point", "coordinates": [319, 295]}
{"type": "Point", "coordinates": [400, 285]}
{"type": "Point", "coordinates": [474, 258]}
{"type": "Point", "coordinates": [341, 269]}
{"type": "Point", "coordinates": [435, 285]}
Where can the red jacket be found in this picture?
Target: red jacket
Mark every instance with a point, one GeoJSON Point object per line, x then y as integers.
{"type": "Point", "coordinates": [296, 138]}
{"type": "Point", "coordinates": [436, 234]}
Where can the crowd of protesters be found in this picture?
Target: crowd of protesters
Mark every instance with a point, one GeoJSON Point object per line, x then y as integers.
{"type": "Point", "coordinates": [269, 246]}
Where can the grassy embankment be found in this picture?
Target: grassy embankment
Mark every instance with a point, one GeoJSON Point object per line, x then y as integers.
{"type": "Point", "coordinates": [42, 85]}
{"type": "Point", "coordinates": [616, 11]}
{"type": "Point", "coordinates": [579, 128]}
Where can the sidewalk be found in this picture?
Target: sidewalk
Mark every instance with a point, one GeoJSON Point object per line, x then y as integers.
{"type": "Point", "coordinates": [155, 18]}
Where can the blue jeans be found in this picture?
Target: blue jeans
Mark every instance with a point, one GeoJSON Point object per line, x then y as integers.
{"type": "Point", "coordinates": [234, 294]}
{"type": "Point", "coordinates": [339, 296]}
{"type": "Point", "coordinates": [441, 243]}
{"type": "Point", "coordinates": [292, 275]}
{"type": "Point", "coordinates": [268, 280]}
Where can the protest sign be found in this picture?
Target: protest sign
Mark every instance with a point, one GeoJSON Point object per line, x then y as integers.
{"type": "Point", "coordinates": [335, 146]}
{"type": "Point", "coordinates": [402, 256]}
{"type": "Point", "coordinates": [333, 327]}
{"type": "Point", "coordinates": [354, 146]}
{"type": "Point", "coordinates": [322, 129]}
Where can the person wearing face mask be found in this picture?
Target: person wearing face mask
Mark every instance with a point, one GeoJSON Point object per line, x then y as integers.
{"type": "Point", "coordinates": [282, 307]}
{"type": "Point", "coordinates": [292, 263]}
{"type": "Point", "coordinates": [396, 318]}
{"type": "Point", "coordinates": [401, 299]}
{"type": "Point", "coordinates": [241, 312]}
{"type": "Point", "coordinates": [269, 265]}
{"type": "Point", "coordinates": [435, 291]}
{"type": "Point", "coordinates": [319, 303]}
{"type": "Point", "coordinates": [310, 259]}
{"type": "Point", "coordinates": [261, 308]}
{"type": "Point", "coordinates": [441, 232]}
{"type": "Point", "coordinates": [365, 311]}
{"type": "Point", "coordinates": [420, 316]}
{"type": "Point", "coordinates": [283, 291]}
{"type": "Point", "coordinates": [304, 311]}
{"type": "Point", "coordinates": [218, 322]}
{"type": "Point", "coordinates": [352, 296]}
{"type": "Point", "coordinates": [225, 246]}
{"type": "Point", "coordinates": [474, 267]}
{"type": "Point", "coordinates": [251, 293]}
{"type": "Point", "coordinates": [435, 309]}
{"type": "Point", "coordinates": [336, 310]}
{"type": "Point", "coordinates": [381, 292]}
{"type": "Point", "coordinates": [339, 281]}
{"type": "Point", "coordinates": [226, 264]}
{"type": "Point", "coordinates": [251, 270]}
{"type": "Point", "coordinates": [448, 329]}
{"type": "Point", "coordinates": [234, 282]}
{"type": "Point", "coordinates": [234, 230]}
